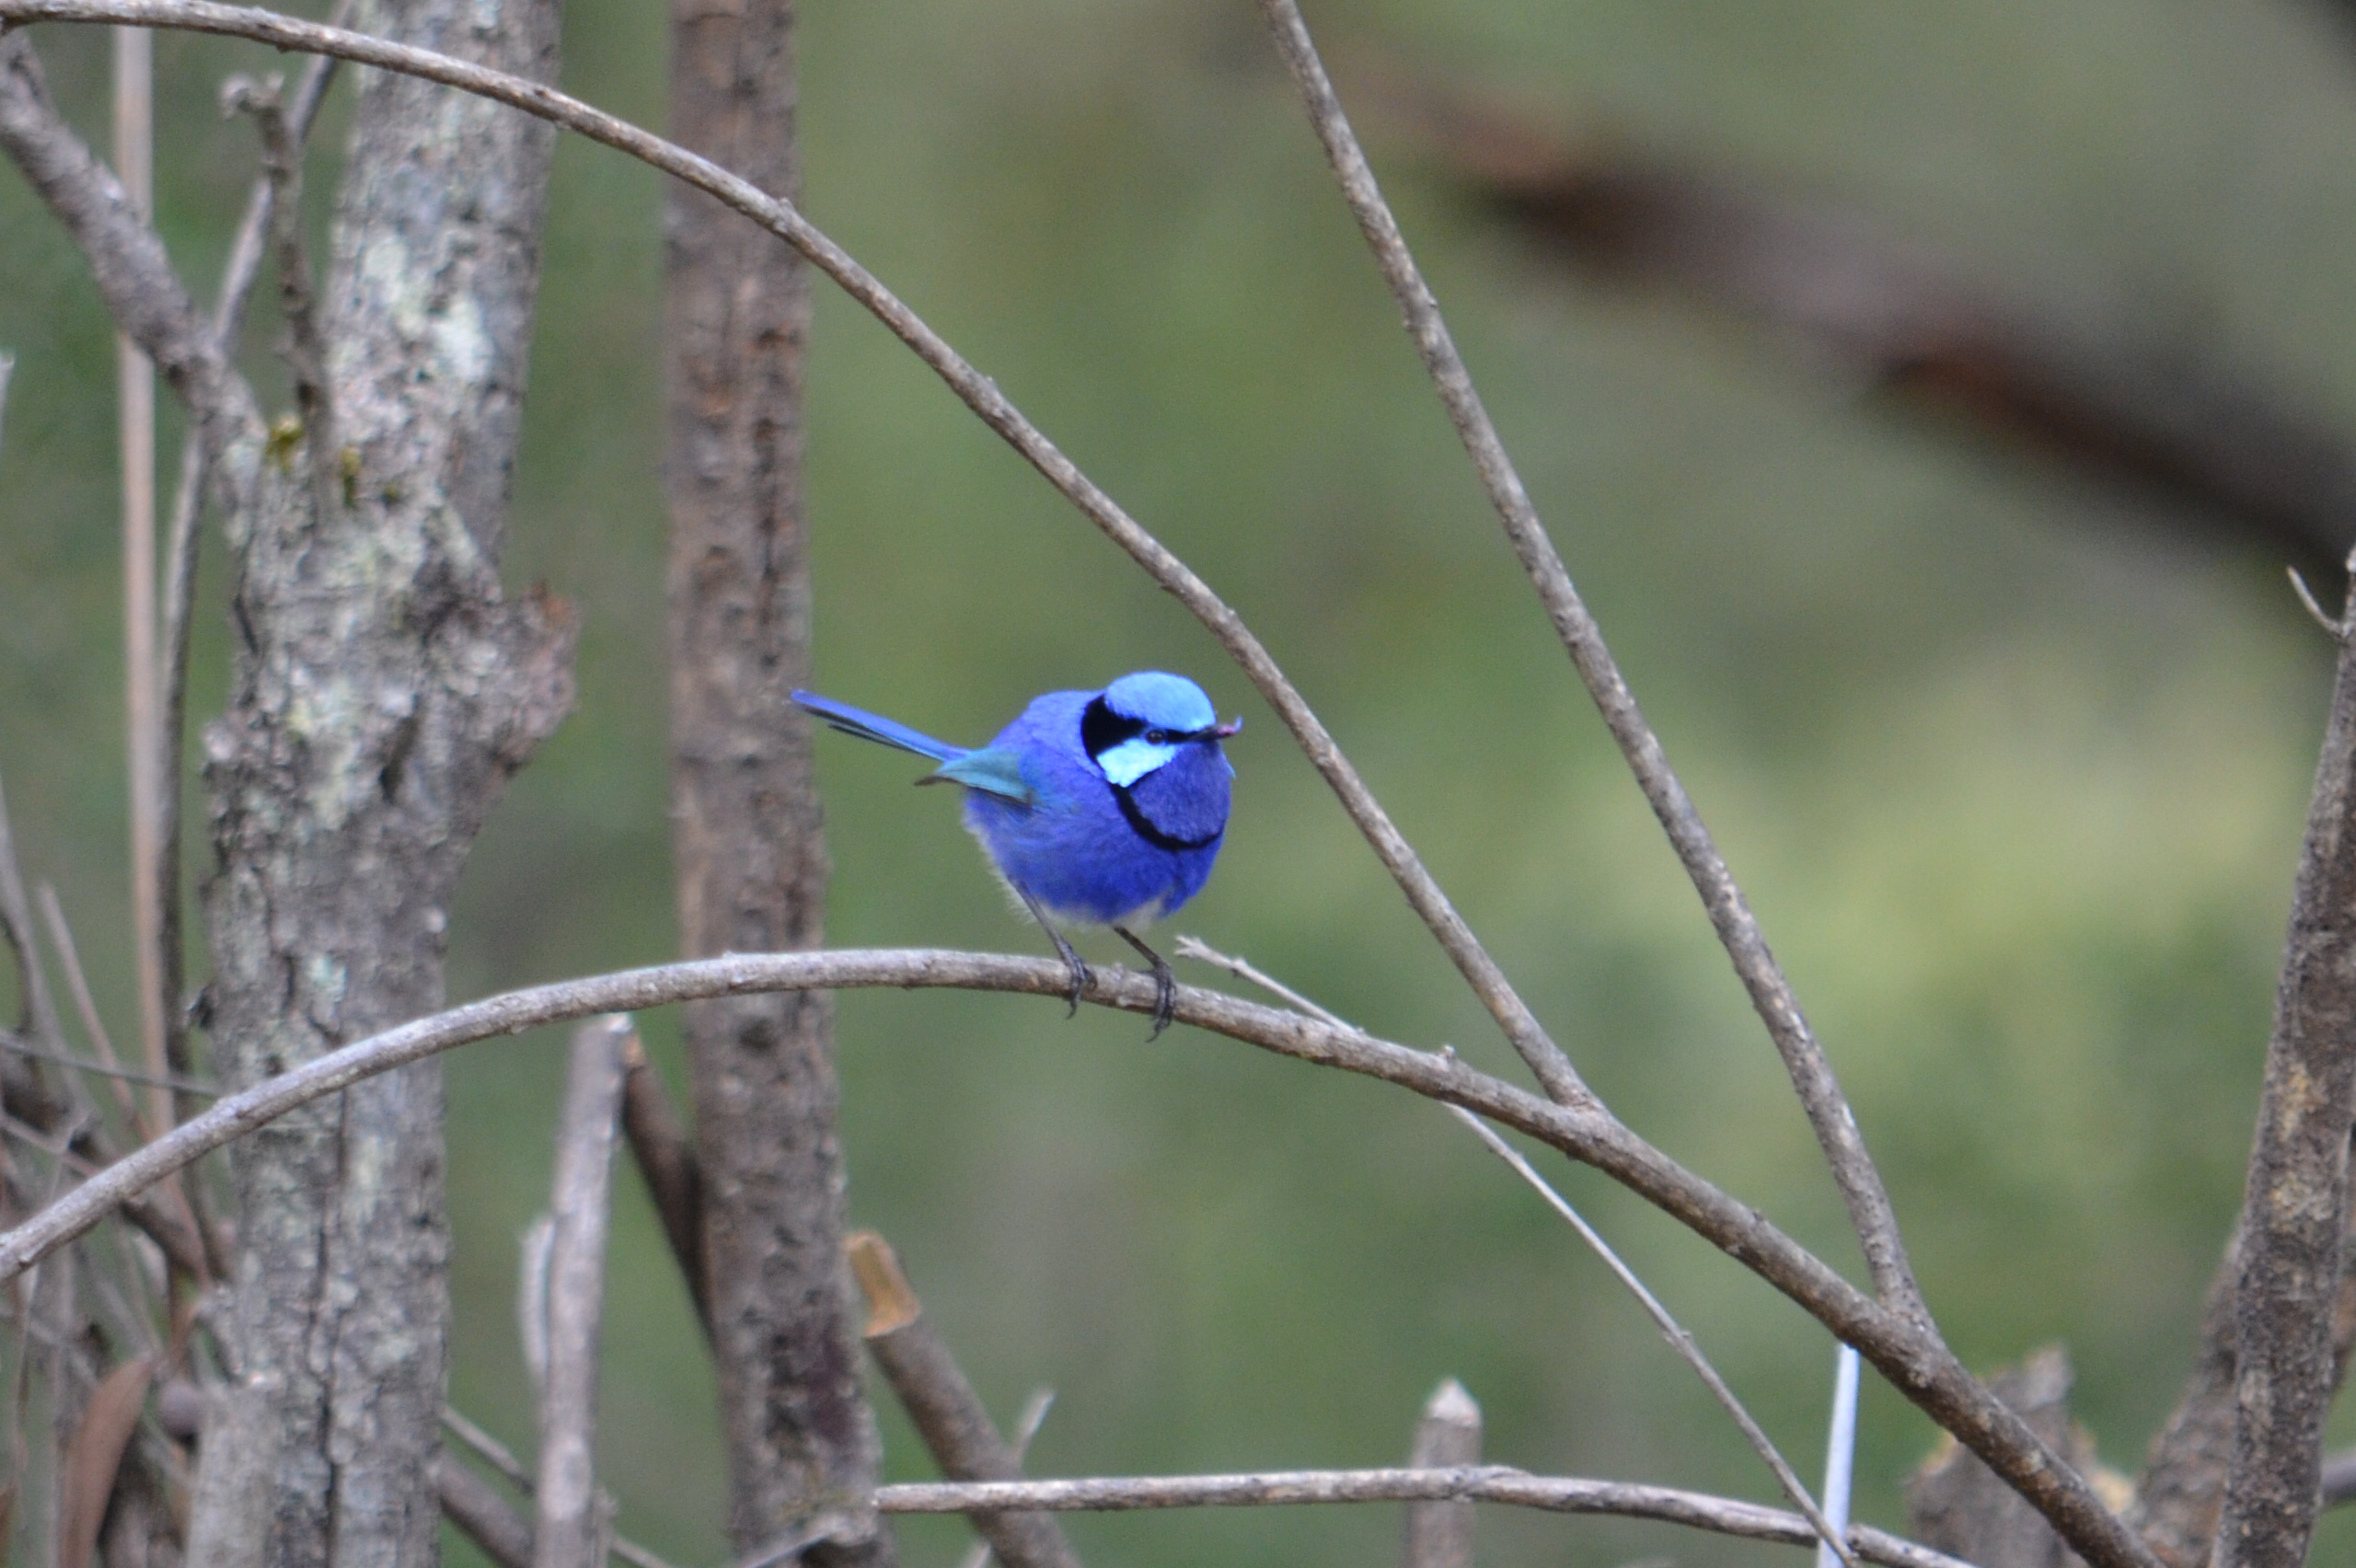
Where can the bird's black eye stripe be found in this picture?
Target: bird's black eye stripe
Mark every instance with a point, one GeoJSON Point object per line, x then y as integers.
{"type": "Point", "coordinates": [1157, 737]}
{"type": "Point", "coordinates": [1100, 728]}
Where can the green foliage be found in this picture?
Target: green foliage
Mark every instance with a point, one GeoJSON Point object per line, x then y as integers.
{"type": "Point", "coordinates": [2013, 769]}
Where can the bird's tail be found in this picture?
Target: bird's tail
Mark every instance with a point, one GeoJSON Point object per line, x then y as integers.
{"type": "Point", "coordinates": [875, 727]}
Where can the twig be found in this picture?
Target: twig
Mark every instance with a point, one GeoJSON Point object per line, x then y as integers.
{"type": "Point", "coordinates": [942, 1405]}
{"type": "Point", "coordinates": [489, 1449]}
{"type": "Point", "coordinates": [135, 381]}
{"type": "Point", "coordinates": [489, 1520]}
{"type": "Point", "coordinates": [1672, 1331]}
{"type": "Point", "coordinates": [1440, 1535]}
{"type": "Point", "coordinates": [61, 935]}
{"type": "Point", "coordinates": [533, 1249]}
{"type": "Point", "coordinates": [1770, 994]}
{"type": "Point", "coordinates": [976, 390]}
{"type": "Point", "coordinates": [1484, 1484]}
{"type": "Point", "coordinates": [1027, 1422]}
{"type": "Point", "coordinates": [668, 1160]}
{"type": "Point", "coordinates": [1840, 1448]}
{"type": "Point", "coordinates": [1203, 952]}
{"type": "Point", "coordinates": [567, 1525]}
{"type": "Point", "coordinates": [1914, 1360]}
{"type": "Point", "coordinates": [17, 926]}
{"type": "Point", "coordinates": [11, 1043]}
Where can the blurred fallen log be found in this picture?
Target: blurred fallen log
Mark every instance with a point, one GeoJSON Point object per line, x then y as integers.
{"type": "Point", "coordinates": [2231, 448]}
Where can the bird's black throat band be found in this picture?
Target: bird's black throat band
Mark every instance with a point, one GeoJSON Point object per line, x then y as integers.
{"type": "Point", "coordinates": [1143, 825]}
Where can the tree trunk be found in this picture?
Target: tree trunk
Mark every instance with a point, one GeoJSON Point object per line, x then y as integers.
{"type": "Point", "coordinates": [751, 866]}
{"type": "Point", "coordinates": [384, 690]}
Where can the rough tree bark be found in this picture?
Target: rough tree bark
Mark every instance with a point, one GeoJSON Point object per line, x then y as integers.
{"type": "Point", "coordinates": [384, 690]}
{"type": "Point", "coordinates": [2295, 1206]}
{"type": "Point", "coordinates": [751, 866]}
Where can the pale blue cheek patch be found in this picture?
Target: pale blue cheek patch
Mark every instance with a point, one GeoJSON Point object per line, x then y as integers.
{"type": "Point", "coordinates": [1133, 759]}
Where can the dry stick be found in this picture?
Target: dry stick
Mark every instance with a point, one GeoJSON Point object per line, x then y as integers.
{"type": "Point", "coordinates": [488, 1519]}
{"type": "Point", "coordinates": [179, 570]}
{"type": "Point", "coordinates": [16, 1046]}
{"type": "Point", "coordinates": [566, 1528]}
{"type": "Point", "coordinates": [942, 1406]}
{"type": "Point", "coordinates": [60, 936]}
{"type": "Point", "coordinates": [668, 1160]}
{"type": "Point", "coordinates": [974, 390]}
{"type": "Point", "coordinates": [495, 1454]}
{"type": "Point", "coordinates": [16, 928]}
{"type": "Point", "coordinates": [1674, 1332]}
{"type": "Point", "coordinates": [1484, 1484]}
{"type": "Point", "coordinates": [1771, 993]}
{"type": "Point", "coordinates": [135, 380]}
{"type": "Point", "coordinates": [1914, 1361]}
{"type": "Point", "coordinates": [1440, 1535]}
{"type": "Point", "coordinates": [1032, 1416]}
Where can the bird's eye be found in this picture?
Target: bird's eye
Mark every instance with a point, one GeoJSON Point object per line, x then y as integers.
{"type": "Point", "coordinates": [1157, 737]}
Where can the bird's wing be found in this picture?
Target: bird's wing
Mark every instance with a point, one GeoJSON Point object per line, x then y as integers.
{"type": "Point", "coordinates": [994, 771]}
{"type": "Point", "coordinates": [875, 727]}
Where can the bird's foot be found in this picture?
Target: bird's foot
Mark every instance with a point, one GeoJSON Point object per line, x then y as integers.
{"type": "Point", "coordinates": [1080, 976]}
{"type": "Point", "coordinates": [1165, 983]}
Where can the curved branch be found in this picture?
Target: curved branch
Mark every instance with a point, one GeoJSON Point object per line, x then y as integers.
{"type": "Point", "coordinates": [1913, 1359]}
{"type": "Point", "coordinates": [1478, 1484]}
{"type": "Point", "coordinates": [977, 391]}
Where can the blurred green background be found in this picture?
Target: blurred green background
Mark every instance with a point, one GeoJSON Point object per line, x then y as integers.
{"type": "Point", "coordinates": [2013, 767]}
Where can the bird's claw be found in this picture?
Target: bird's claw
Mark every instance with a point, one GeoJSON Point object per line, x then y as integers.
{"type": "Point", "coordinates": [1079, 979]}
{"type": "Point", "coordinates": [1165, 984]}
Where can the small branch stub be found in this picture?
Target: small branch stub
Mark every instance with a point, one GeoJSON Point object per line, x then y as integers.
{"type": "Point", "coordinates": [1440, 1535]}
{"type": "Point", "coordinates": [942, 1405]}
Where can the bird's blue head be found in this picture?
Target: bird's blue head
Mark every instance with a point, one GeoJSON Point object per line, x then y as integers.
{"type": "Point", "coordinates": [1139, 722]}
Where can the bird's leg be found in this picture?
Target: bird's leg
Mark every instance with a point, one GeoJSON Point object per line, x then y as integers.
{"type": "Point", "coordinates": [1071, 960]}
{"type": "Point", "coordinates": [1165, 984]}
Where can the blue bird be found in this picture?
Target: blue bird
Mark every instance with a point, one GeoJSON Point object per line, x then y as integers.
{"type": "Point", "coordinates": [1098, 808]}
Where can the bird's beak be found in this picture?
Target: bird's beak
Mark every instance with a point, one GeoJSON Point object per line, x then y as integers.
{"type": "Point", "coordinates": [1221, 732]}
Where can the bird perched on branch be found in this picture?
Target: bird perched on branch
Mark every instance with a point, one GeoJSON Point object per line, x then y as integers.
{"type": "Point", "coordinates": [1098, 808]}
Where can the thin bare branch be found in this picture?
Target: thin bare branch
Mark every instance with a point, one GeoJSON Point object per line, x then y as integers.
{"type": "Point", "coordinates": [1687, 1349]}
{"type": "Point", "coordinates": [133, 105]}
{"type": "Point", "coordinates": [488, 1519]}
{"type": "Point", "coordinates": [487, 1448]}
{"type": "Point", "coordinates": [61, 935]}
{"type": "Point", "coordinates": [942, 1406]}
{"type": "Point", "coordinates": [17, 926]}
{"type": "Point", "coordinates": [1914, 1360]}
{"type": "Point", "coordinates": [1027, 1422]}
{"type": "Point", "coordinates": [1447, 1437]}
{"type": "Point", "coordinates": [1771, 992]}
{"type": "Point", "coordinates": [1840, 1448]}
{"type": "Point", "coordinates": [1203, 952]}
{"type": "Point", "coordinates": [567, 1524]}
{"type": "Point", "coordinates": [16, 1046]}
{"type": "Point", "coordinates": [668, 1160]}
{"type": "Point", "coordinates": [1484, 1483]}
